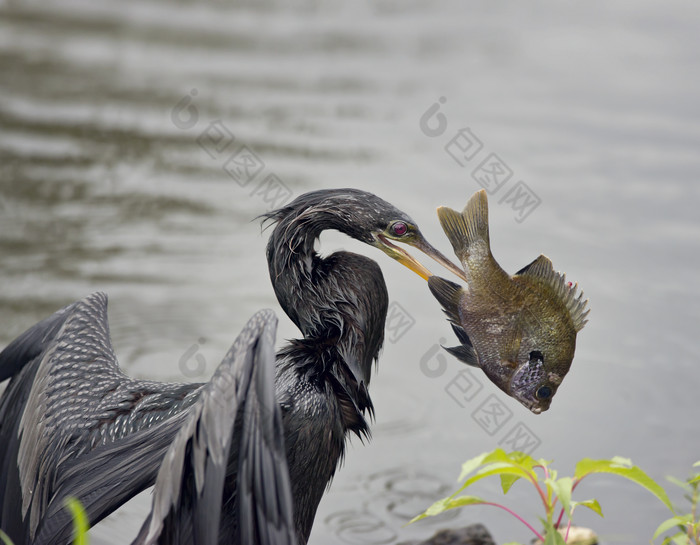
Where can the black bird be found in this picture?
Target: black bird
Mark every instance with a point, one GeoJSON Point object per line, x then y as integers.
{"type": "Point", "coordinates": [72, 424]}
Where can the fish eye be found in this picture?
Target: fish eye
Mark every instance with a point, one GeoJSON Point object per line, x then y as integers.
{"type": "Point", "coordinates": [544, 392]}
{"type": "Point", "coordinates": [399, 228]}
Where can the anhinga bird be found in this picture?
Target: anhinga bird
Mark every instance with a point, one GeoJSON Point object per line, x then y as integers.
{"type": "Point", "coordinates": [73, 425]}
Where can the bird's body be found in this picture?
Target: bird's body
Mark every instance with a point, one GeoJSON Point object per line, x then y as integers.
{"type": "Point", "coordinates": [72, 424]}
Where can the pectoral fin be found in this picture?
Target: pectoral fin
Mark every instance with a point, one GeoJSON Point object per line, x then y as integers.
{"type": "Point", "coordinates": [448, 295]}
{"type": "Point", "coordinates": [465, 354]}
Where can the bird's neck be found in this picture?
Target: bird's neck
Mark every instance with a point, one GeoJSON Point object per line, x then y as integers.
{"type": "Point", "coordinates": [296, 269]}
{"type": "Point", "coordinates": [339, 303]}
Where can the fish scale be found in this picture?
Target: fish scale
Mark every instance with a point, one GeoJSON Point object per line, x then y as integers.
{"type": "Point", "coordinates": [521, 329]}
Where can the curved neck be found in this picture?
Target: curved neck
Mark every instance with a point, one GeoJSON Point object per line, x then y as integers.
{"type": "Point", "coordinates": [295, 267]}
{"type": "Point", "coordinates": [339, 303]}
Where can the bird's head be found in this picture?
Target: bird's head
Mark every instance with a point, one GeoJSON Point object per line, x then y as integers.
{"type": "Point", "coordinates": [365, 217]}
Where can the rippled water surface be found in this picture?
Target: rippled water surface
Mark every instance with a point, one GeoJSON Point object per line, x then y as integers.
{"type": "Point", "coordinates": [123, 126]}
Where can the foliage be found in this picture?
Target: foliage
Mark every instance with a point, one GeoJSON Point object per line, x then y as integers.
{"type": "Point", "coordinates": [687, 526]}
{"type": "Point", "coordinates": [554, 492]}
{"type": "Point", "coordinates": [81, 524]}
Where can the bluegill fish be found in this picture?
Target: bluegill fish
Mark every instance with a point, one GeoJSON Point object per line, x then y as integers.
{"type": "Point", "coordinates": [521, 329]}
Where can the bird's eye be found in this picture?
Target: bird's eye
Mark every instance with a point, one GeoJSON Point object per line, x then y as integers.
{"type": "Point", "coordinates": [399, 228]}
{"type": "Point", "coordinates": [544, 392]}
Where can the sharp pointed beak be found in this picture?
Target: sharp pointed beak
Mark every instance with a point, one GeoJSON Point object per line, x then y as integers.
{"type": "Point", "coordinates": [407, 260]}
{"type": "Point", "coordinates": [425, 247]}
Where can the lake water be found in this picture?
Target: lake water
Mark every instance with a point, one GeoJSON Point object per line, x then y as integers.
{"type": "Point", "coordinates": [122, 130]}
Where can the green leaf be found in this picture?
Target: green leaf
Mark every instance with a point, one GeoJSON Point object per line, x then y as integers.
{"type": "Point", "coordinates": [552, 536]}
{"type": "Point", "coordinates": [592, 504]}
{"type": "Point", "coordinates": [672, 523]}
{"type": "Point", "coordinates": [525, 460]}
{"type": "Point", "coordinates": [562, 488]}
{"type": "Point", "coordinates": [679, 538]}
{"type": "Point", "coordinates": [446, 504]}
{"type": "Point", "coordinates": [463, 500]}
{"type": "Point", "coordinates": [694, 480]}
{"type": "Point", "coordinates": [697, 464]}
{"type": "Point", "coordinates": [80, 521]}
{"type": "Point", "coordinates": [683, 484]}
{"type": "Point", "coordinates": [507, 480]}
{"type": "Point", "coordinates": [471, 465]}
{"type": "Point", "coordinates": [619, 460]}
{"type": "Point", "coordinates": [498, 468]}
{"type": "Point", "coordinates": [5, 538]}
{"type": "Point", "coordinates": [624, 468]}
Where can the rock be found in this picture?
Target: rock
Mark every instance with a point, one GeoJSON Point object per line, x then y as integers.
{"type": "Point", "coordinates": [474, 534]}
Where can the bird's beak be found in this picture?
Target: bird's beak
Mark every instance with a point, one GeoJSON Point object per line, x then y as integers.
{"type": "Point", "coordinates": [407, 260]}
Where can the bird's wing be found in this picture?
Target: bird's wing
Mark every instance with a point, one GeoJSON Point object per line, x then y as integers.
{"type": "Point", "coordinates": [18, 361]}
{"type": "Point", "coordinates": [66, 410]}
{"type": "Point", "coordinates": [225, 475]}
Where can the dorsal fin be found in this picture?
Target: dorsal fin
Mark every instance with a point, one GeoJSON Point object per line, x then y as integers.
{"type": "Point", "coordinates": [542, 268]}
{"type": "Point", "coordinates": [448, 294]}
{"type": "Point", "coordinates": [468, 227]}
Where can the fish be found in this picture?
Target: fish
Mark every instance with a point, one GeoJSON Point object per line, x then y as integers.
{"type": "Point", "coordinates": [520, 330]}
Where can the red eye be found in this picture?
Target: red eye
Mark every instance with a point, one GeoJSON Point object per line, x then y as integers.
{"type": "Point", "coordinates": [399, 228]}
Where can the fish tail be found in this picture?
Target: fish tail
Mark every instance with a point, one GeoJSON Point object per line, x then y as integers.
{"type": "Point", "coordinates": [468, 228]}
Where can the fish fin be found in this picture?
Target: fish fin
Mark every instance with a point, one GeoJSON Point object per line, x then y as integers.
{"type": "Point", "coordinates": [448, 295]}
{"type": "Point", "coordinates": [461, 334]}
{"type": "Point", "coordinates": [464, 353]}
{"type": "Point", "coordinates": [543, 269]}
{"type": "Point", "coordinates": [466, 228]}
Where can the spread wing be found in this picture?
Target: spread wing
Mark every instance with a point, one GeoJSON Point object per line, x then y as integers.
{"type": "Point", "coordinates": [225, 477]}
{"type": "Point", "coordinates": [70, 421]}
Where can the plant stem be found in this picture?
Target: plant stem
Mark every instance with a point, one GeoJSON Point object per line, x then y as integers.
{"type": "Point", "coordinates": [542, 496]}
{"type": "Point", "coordinates": [568, 527]}
{"type": "Point", "coordinates": [561, 516]}
{"type": "Point", "coordinates": [539, 536]}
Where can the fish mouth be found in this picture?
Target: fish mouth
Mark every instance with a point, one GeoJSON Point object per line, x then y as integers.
{"type": "Point", "coordinates": [524, 392]}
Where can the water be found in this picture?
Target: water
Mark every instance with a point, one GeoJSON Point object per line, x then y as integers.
{"type": "Point", "coordinates": [116, 128]}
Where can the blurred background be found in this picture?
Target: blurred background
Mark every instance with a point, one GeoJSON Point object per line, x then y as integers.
{"type": "Point", "coordinates": [139, 141]}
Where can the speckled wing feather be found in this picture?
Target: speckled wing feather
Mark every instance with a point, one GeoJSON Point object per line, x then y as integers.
{"type": "Point", "coordinates": [234, 429]}
{"type": "Point", "coordinates": [18, 362]}
{"type": "Point", "coordinates": [67, 404]}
